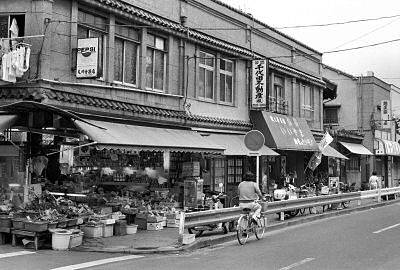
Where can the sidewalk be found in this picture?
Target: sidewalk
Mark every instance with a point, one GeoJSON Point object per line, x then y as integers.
{"type": "Point", "coordinates": [166, 240]}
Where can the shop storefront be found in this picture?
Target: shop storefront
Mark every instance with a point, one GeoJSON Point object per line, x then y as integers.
{"type": "Point", "coordinates": [145, 171]}
{"type": "Point", "coordinates": [357, 163]}
{"type": "Point", "coordinates": [386, 153]}
{"type": "Point", "coordinates": [292, 139]}
{"type": "Point", "coordinates": [235, 162]}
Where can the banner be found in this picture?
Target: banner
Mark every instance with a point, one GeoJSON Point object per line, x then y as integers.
{"type": "Point", "coordinates": [259, 84]}
{"type": "Point", "coordinates": [327, 139]}
{"type": "Point", "coordinates": [385, 114]}
{"type": "Point", "coordinates": [316, 158]}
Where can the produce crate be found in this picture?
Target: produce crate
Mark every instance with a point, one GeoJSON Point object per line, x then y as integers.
{"type": "Point", "coordinates": [108, 230]}
{"type": "Point", "coordinates": [71, 222]}
{"type": "Point", "coordinates": [76, 240]}
{"type": "Point", "coordinates": [18, 223]}
{"type": "Point", "coordinates": [62, 224]}
{"type": "Point", "coordinates": [92, 231]}
{"type": "Point", "coordinates": [52, 225]}
{"type": "Point", "coordinates": [5, 221]}
{"type": "Point", "coordinates": [37, 226]}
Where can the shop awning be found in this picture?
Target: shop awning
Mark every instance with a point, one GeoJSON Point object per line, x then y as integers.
{"type": "Point", "coordinates": [134, 137]}
{"type": "Point", "coordinates": [6, 121]}
{"type": "Point", "coordinates": [332, 152]}
{"type": "Point", "coordinates": [356, 148]}
{"type": "Point", "coordinates": [387, 148]}
{"type": "Point", "coordinates": [234, 145]}
{"type": "Point", "coordinates": [284, 132]}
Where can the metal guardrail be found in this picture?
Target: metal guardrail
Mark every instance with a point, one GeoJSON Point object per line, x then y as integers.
{"type": "Point", "coordinates": [229, 214]}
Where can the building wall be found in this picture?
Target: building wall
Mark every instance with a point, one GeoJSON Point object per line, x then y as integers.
{"type": "Point", "coordinates": [56, 53]}
{"type": "Point", "coordinates": [346, 97]}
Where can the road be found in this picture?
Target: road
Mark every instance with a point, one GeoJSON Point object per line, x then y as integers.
{"type": "Point", "coordinates": [361, 240]}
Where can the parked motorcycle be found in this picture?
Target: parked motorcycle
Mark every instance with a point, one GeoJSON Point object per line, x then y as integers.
{"type": "Point", "coordinates": [287, 193]}
{"type": "Point", "coordinates": [211, 201]}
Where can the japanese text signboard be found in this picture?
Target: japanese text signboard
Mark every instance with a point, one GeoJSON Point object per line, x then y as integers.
{"type": "Point", "coordinates": [87, 58]}
{"type": "Point", "coordinates": [385, 114]}
{"type": "Point", "coordinates": [259, 84]}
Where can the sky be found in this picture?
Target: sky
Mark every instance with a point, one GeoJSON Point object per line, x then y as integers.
{"type": "Point", "coordinates": [383, 60]}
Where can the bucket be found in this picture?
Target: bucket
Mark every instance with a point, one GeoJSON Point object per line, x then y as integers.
{"type": "Point", "coordinates": [60, 239]}
{"type": "Point", "coordinates": [131, 229]}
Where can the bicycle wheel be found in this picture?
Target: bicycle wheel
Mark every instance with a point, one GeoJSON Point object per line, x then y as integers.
{"type": "Point", "coordinates": [302, 211]}
{"type": "Point", "coordinates": [260, 228]}
{"type": "Point", "coordinates": [242, 231]}
{"type": "Point", "coordinates": [346, 204]}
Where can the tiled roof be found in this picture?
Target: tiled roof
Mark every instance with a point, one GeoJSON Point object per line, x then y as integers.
{"type": "Point", "coordinates": [40, 94]}
{"type": "Point", "coordinates": [173, 25]}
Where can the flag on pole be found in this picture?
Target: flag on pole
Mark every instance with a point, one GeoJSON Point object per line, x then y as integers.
{"type": "Point", "coordinates": [315, 159]}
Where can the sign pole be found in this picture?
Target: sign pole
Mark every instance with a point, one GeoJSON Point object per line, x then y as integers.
{"type": "Point", "coordinates": [258, 170]}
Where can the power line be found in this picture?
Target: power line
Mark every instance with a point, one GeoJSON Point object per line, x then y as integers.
{"type": "Point", "coordinates": [337, 23]}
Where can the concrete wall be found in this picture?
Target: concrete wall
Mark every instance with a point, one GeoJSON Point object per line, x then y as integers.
{"type": "Point", "coordinates": [55, 51]}
{"type": "Point", "coordinates": [346, 98]}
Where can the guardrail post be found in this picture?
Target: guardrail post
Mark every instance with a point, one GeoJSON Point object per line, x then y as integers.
{"type": "Point", "coordinates": [282, 216]}
{"type": "Point", "coordinates": [182, 224]}
{"type": "Point", "coordinates": [379, 195]}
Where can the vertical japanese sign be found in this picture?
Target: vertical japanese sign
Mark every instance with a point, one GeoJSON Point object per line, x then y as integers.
{"type": "Point", "coordinates": [385, 114]}
{"type": "Point", "coordinates": [87, 57]}
{"type": "Point", "coordinates": [259, 85]}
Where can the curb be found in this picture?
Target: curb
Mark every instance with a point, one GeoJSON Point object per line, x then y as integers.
{"type": "Point", "coordinates": [227, 238]}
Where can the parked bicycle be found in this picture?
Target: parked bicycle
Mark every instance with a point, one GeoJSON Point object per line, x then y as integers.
{"type": "Point", "coordinates": [246, 226]}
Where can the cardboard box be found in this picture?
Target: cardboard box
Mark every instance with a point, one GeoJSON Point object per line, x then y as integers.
{"type": "Point", "coordinates": [141, 215]}
{"type": "Point", "coordinates": [175, 215]}
{"type": "Point", "coordinates": [155, 226]}
{"type": "Point", "coordinates": [172, 223]}
{"type": "Point", "coordinates": [154, 219]}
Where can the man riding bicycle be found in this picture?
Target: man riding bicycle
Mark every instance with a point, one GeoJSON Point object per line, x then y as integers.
{"type": "Point", "coordinates": [249, 192]}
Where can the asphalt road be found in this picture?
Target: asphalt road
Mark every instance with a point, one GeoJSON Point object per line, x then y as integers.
{"type": "Point", "coordinates": [361, 240]}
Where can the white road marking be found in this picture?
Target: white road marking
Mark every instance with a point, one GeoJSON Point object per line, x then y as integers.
{"type": "Point", "coordinates": [387, 228]}
{"type": "Point", "coordinates": [293, 265]}
{"type": "Point", "coordinates": [18, 253]}
{"type": "Point", "coordinates": [98, 262]}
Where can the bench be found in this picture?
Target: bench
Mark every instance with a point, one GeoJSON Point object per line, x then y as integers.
{"type": "Point", "coordinates": [36, 236]}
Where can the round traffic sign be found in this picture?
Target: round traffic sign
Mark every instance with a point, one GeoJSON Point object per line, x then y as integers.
{"type": "Point", "coordinates": [254, 140]}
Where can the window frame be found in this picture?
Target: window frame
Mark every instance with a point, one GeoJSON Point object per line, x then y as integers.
{"type": "Point", "coordinates": [154, 49]}
{"type": "Point", "coordinates": [336, 115]}
{"type": "Point", "coordinates": [308, 109]}
{"type": "Point", "coordinates": [125, 40]}
{"type": "Point", "coordinates": [226, 74]}
{"type": "Point", "coordinates": [207, 68]}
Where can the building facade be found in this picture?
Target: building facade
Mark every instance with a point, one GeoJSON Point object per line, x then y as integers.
{"type": "Point", "coordinates": [175, 65]}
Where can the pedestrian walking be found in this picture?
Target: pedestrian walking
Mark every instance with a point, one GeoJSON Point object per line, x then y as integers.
{"type": "Point", "coordinates": [374, 181]}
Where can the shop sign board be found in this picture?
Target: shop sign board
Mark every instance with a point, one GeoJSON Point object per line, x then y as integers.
{"type": "Point", "coordinates": [87, 57]}
{"type": "Point", "coordinates": [385, 114]}
{"type": "Point", "coordinates": [259, 84]}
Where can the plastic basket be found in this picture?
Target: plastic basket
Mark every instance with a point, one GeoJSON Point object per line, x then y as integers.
{"type": "Point", "coordinates": [76, 240]}
{"type": "Point", "coordinates": [108, 230]}
{"type": "Point", "coordinates": [5, 221]}
{"type": "Point", "coordinates": [131, 229]}
{"type": "Point", "coordinates": [92, 231]}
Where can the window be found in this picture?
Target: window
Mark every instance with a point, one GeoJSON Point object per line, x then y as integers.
{"type": "Point", "coordinates": [353, 164]}
{"type": "Point", "coordinates": [331, 116]}
{"type": "Point", "coordinates": [126, 55]}
{"type": "Point", "coordinates": [155, 63]}
{"type": "Point", "coordinates": [92, 26]}
{"type": "Point", "coordinates": [308, 102]}
{"type": "Point", "coordinates": [5, 24]}
{"type": "Point", "coordinates": [206, 76]}
{"type": "Point", "coordinates": [277, 101]}
{"type": "Point", "coordinates": [226, 81]}
{"type": "Point", "coordinates": [235, 170]}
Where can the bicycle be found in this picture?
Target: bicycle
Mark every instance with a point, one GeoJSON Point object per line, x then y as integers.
{"type": "Point", "coordinates": [245, 226]}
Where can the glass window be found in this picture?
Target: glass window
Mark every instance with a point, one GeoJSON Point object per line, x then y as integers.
{"type": "Point", "coordinates": [126, 55]}
{"type": "Point", "coordinates": [5, 24]}
{"type": "Point", "coordinates": [155, 63]}
{"type": "Point", "coordinates": [331, 116]}
{"type": "Point", "coordinates": [91, 26]}
{"type": "Point", "coordinates": [308, 101]}
{"type": "Point", "coordinates": [235, 170]}
{"type": "Point", "coordinates": [226, 81]}
{"type": "Point", "coordinates": [206, 76]}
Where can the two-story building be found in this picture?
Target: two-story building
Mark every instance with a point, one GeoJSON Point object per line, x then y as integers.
{"type": "Point", "coordinates": [156, 84]}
